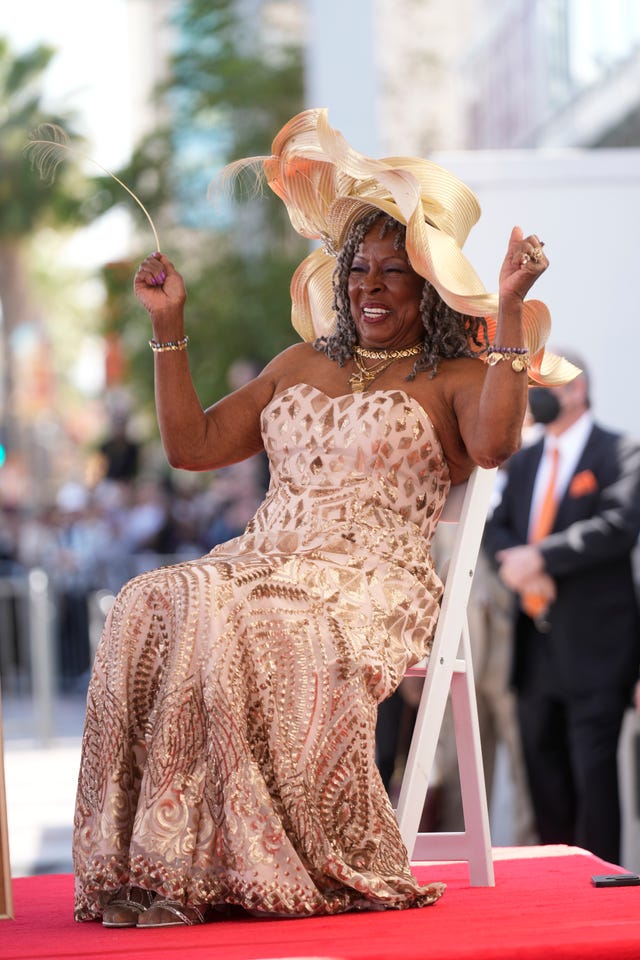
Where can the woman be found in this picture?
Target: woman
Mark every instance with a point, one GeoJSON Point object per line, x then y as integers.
{"type": "Point", "coordinates": [228, 755]}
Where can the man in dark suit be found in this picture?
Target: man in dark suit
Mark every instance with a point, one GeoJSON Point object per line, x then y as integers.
{"type": "Point", "coordinates": [577, 646]}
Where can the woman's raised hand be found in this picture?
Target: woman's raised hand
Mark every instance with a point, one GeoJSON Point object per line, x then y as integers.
{"type": "Point", "coordinates": [158, 285]}
{"type": "Point", "coordinates": [524, 262]}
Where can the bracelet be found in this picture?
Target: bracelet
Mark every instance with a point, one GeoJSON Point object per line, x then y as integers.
{"type": "Point", "coordinates": [496, 349]}
{"type": "Point", "coordinates": [169, 345]}
{"type": "Point", "coordinates": [519, 357]}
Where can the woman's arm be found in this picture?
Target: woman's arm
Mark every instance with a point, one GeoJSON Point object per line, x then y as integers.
{"type": "Point", "coordinates": [194, 439]}
{"type": "Point", "coordinates": [491, 422]}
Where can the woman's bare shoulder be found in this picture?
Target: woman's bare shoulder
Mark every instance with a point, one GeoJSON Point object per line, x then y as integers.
{"type": "Point", "coordinates": [303, 363]}
{"type": "Point", "coordinates": [292, 355]}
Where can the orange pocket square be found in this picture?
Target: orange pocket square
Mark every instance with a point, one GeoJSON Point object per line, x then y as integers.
{"type": "Point", "coordinates": [582, 484]}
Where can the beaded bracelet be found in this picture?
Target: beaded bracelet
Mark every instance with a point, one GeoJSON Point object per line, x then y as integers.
{"type": "Point", "coordinates": [169, 345]}
{"type": "Point", "coordinates": [496, 349]}
{"type": "Point", "coordinates": [519, 357]}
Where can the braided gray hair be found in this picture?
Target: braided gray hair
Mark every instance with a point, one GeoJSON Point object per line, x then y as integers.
{"type": "Point", "coordinates": [447, 332]}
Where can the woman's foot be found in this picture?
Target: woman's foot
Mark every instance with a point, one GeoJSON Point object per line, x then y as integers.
{"type": "Point", "coordinates": [126, 906]}
{"type": "Point", "coordinates": [172, 913]}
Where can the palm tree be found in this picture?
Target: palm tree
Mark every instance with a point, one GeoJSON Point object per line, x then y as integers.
{"type": "Point", "coordinates": [27, 203]}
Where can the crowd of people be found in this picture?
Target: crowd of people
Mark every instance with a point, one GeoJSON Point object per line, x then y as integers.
{"type": "Point", "coordinates": [91, 539]}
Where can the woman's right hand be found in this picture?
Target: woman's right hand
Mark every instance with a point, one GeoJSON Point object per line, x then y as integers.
{"type": "Point", "coordinates": [158, 285]}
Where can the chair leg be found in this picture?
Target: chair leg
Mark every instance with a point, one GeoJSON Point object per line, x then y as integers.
{"type": "Point", "coordinates": [474, 843]}
{"type": "Point", "coordinates": [472, 783]}
{"type": "Point", "coordinates": [421, 756]}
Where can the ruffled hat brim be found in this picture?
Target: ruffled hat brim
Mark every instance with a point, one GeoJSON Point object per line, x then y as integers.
{"type": "Point", "coordinates": [327, 186]}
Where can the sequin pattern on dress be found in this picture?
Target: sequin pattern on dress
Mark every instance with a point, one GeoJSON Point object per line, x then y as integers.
{"type": "Point", "coordinates": [229, 751]}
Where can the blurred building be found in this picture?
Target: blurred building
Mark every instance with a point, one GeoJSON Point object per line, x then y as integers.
{"type": "Point", "coordinates": [421, 51]}
{"type": "Point", "coordinates": [505, 74]}
{"type": "Point", "coordinates": [554, 73]}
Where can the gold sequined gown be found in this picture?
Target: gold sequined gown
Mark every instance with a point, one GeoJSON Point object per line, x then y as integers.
{"type": "Point", "coordinates": [228, 753]}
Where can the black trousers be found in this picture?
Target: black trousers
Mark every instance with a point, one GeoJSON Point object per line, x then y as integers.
{"type": "Point", "coordinates": [570, 745]}
{"type": "Point", "coordinates": [387, 736]}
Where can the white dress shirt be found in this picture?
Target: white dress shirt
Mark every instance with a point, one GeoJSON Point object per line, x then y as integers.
{"type": "Point", "coordinates": [570, 444]}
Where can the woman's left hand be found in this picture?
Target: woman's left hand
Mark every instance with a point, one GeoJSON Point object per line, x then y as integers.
{"type": "Point", "coordinates": [524, 262]}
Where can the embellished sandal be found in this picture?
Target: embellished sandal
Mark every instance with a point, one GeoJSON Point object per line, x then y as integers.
{"type": "Point", "coordinates": [125, 907]}
{"type": "Point", "coordinates": [172, 913]}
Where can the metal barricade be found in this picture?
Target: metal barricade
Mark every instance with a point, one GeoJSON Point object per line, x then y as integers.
{"type": "Point", "coordinates": [26, 644]}
{"type": "Point", "coordinates": [30, 652]}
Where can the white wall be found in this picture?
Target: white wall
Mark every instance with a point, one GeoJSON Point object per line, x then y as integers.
{"type": "Point", "coordinates": [585, 205]}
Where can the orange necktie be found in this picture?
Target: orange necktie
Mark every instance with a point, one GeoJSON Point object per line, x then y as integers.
{"type": "Point", "coordinates": [532, 603]}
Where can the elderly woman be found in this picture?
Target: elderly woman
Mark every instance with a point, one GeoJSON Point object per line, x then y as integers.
{"type": "Point", "coordinates": [228, 755]}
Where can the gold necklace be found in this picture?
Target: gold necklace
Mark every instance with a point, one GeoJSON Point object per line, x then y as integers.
{"type": "Point", "coordinates": [365, 375]}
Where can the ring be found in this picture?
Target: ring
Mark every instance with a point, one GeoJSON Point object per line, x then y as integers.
{"type": "Point", "coordinates": [536, 254]}
{"type": "Point", "coordinates": [524, 259]}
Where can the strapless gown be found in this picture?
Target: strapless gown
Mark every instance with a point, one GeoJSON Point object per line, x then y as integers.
{"type": "Point", "coordinates": [229, 748]}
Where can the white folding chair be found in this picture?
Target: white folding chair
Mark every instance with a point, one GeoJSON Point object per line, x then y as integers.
{"type": "Point", "coordinates": [449, 668]}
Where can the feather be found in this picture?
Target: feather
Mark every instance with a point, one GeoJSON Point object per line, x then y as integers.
{"type": "Point", "coordinates": [49, 145]}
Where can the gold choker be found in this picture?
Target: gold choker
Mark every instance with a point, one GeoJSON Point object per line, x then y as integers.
{"type": "Point", "coordinates": [360, 379]}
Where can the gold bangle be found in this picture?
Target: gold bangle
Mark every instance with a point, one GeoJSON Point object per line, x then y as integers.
{"type": "Point", "coordinates": [519, 361]}
{"type": "Point", "coordinates": [169, 345]}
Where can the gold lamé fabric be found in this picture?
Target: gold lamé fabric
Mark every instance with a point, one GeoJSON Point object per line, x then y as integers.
{"type": "Point", "coordinates": [229, 748]}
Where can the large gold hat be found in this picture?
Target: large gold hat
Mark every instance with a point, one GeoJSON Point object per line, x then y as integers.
{"type": "Point", "coordinates": [326, 186]}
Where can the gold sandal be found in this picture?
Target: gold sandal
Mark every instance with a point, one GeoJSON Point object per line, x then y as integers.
{"type": "Point", "coordinates": [126, 905]}
{"type": "Point", "coordinates": [172, 913]}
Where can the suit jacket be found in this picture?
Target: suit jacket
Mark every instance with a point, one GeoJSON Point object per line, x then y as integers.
{"type": "Point", "coordinates": [594, 621]}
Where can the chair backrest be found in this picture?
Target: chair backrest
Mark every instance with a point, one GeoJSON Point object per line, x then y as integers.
{"type": "Point", "coordinates": [467, 506]}
{"type": "Point", "coordinates": [453, 504]}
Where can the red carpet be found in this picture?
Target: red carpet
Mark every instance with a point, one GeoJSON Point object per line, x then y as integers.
{"type": "Point", "coordinates": [543, 906]}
